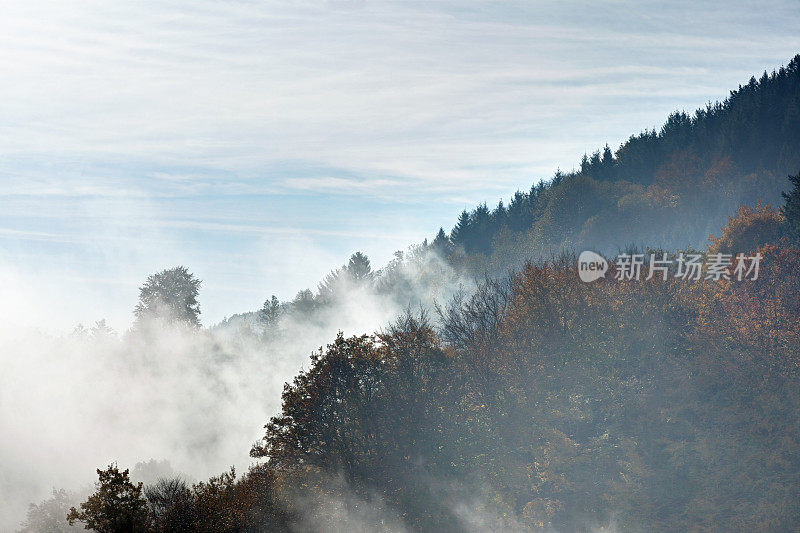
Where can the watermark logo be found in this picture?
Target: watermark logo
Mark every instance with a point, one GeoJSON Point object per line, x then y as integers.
{"type": "Point", "coordinates": [690, 267]}
{"type": "Point", "coordinates": [591, 266]}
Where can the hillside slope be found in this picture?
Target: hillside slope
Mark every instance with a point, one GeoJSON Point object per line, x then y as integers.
{"type": "Point", "coordinates": [538, 402]}
{"type": "Point", "coordinates": [669, 188]}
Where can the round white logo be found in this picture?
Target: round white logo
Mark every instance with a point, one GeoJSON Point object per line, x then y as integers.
{"type": "Point", "coordinates": [591, 266]}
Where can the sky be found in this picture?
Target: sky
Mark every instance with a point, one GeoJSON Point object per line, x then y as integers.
{"type": "Point", "coordinates": [261, 143]}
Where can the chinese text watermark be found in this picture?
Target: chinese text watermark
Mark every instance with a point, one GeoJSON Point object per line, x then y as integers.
{"type": "Point", "coordinates": [686, 266]}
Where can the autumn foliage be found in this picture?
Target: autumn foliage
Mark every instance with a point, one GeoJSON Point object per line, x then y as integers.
{"type": "Point", "coordinates": [749, 229]}
{"type": "Point", "coordinates": [538, 402]}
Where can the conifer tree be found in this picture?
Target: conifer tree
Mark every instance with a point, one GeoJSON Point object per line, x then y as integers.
{"type": "Point", "coordinates": [791, 209]}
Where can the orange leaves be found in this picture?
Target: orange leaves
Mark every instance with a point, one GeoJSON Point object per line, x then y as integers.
{"type": "Point", "coordinates": [749, 229]}
{"type": "Point", "coordinates": [760, 317]}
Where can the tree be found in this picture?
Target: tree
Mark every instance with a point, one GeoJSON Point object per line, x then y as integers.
{"type": "Point", "coordinates": [461, 231]}
{"type": "Point", "coordinates": [357, 271]}
{"type": "Point", "coordinates": [791, 209]}
{"type": "Point", "coordinates": [170, 295]}
{"type": "Point", "coordinates": [329, 287]}
{"type": "Point", "coordinates": [304, 303]}
{"type": "Point", "coordinates": [606, 170]}
{"type": "Point", "coordinates": [358, 268]}
{"type": "Point", "coordinates": [270, 311]}
{"type": "Point", "coordinates": [441, 243]}
{"type": "Point", "coordinates": [116, 507]}
{"type": "Point", "coordinates": [171, 505]}
{"type": "Point", "coordinates": [102, 331]}
{"type": "Point", "coordinates": [482, 238]}
{"type": "Point", "coordinates": [748, 230]}
{"type": "Point", "coordinates": [49, 516]}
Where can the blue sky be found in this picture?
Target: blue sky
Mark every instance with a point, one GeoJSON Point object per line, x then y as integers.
{"type": "Point", "coordinates": [260, 143]}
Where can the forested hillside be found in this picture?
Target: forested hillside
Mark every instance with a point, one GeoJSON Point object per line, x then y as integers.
{"type": "Point", "coordinates": [534, 400]}
{"type": "Point", "coordinates": [671, 189]}
{"type": "Point", "coordinates": [668, 188]}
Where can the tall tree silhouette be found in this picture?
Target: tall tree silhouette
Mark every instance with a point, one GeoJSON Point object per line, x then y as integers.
{"type": "Point", "coordinates": [170, 295]}
{"type": "Point", "coordinates": [116, 507]}
{"type": "Point", "coordinates": [791, 208]}
{"type": "Point", "coordinates": [270, 311]}
{"type": "Point", "coordinates": [358, 268]}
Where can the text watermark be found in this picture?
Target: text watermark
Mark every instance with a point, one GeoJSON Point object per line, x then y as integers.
{"type": "Point", "coordinates": [718, 266]}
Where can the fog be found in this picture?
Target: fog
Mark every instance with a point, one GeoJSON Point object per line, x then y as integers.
{"type": "Point", "coordinates": [72, 402]}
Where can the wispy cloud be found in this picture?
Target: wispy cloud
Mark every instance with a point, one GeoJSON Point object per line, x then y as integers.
{"type": "Point", "coordinates": [344, 113]}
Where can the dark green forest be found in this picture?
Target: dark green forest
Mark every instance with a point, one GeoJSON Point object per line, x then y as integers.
{"type": "Point", "coordinates": [668, 188]}
{"type": "Point", "coordinates": [535, 401]}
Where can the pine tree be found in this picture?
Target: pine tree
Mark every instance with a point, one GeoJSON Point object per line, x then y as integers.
{"type": "Point", "coordinates": [304, 303]}
{"type": "Point", "coordinates": [461, 231]}
{"type": "Point", "coordinates": [358, 268]}
{"type": "Point", "coordinates": [482, 239]}
{"type": "Point", "coordinates": [270, 312]}
{"type": "Point", "coordinates": [519, 215]}
{"type": "Point", "coordinates": [585, 164]}
{"type": "Point", "coordinates": [329, 286]}
{"type": "Point", "coordinates": [607, 164]}
{"type": "Point", "coordinates": [791, 209]}
{"type": "Point", "coordinates": [441, 243]}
